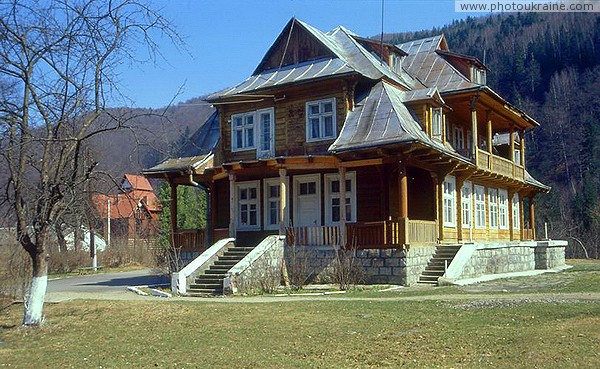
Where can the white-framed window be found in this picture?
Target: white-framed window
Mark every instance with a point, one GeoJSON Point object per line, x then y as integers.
{"type": "Point", "coordinates": [333, 209]}
{"type": "Point", "coordinates": [458, 138]}
{"type": "Point", "coordinates": [516, 214]}
{"type": "Point", "coordinates": [436, 123]}
{"type": "Point", "coordinates": [493, 201]}
{"type": "Point", "coordinates": [467, 204]}
{"type": "Point", "coordinates": [254, 130]}
{"type": "Point", "coordinates": [320, 120]}
{"type": "Point", "coordinates": [479, 75]}
{"type": "Point", "coordinates": [272, 202]}
{"type": "Point", "coordinates": [479, 207]}
{"type": "Point", "coordinates": [517, 156]}
{"type": "Point", "coordinates": [450, 201]}
{"type": "Point", "coordinates": [248, 210]}
{"type": "Point", "coordinates": [503, 208]}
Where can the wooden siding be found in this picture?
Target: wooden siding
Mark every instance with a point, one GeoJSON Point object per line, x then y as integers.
{"type": "Point", "coordinates": [370, 197]}
{"type": "Point", "coordinates": [290, 119]}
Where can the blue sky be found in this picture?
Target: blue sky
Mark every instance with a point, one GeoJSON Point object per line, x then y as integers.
{"type": "Point", "coordinates": [227, 39]}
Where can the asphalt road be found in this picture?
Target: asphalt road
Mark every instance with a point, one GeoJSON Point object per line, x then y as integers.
{"type": "Point", "coordinates": [102, 283]}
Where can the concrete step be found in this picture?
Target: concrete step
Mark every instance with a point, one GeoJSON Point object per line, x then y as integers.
{"type": "Point", "coordinates": [204, 286]}
{"type": "Point", "coordinates": [202, 279]}
{"type": "Point", "coordinates": [432, 273]}
{"type": "Point", "coordinates": [215, 273]}
{"type": "Point", "coordinates": [427, 282]}
{"type": "Point", "coordinates": [229, 263]}
{"type": "Point", "coordinates": [235, 258]}
{"type": "Point", "coordinates": [201, 292]}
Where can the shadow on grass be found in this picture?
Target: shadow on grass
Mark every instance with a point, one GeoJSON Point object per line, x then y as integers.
{"type": "Point", "coordinates": [130, 281]}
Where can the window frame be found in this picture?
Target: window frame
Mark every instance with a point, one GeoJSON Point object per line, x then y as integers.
{"type": "Point", "coordinates": [239, 202]}
{"type": "Point", "coordinates": [437, 120]}
{"type": "Point", "coordinates": [493, 207]}
{"type": "Point", "coordinates": [267, 199]}
{"type": "Point", "coordinates": [449, 201]}
{"type": "Point", "coordinates": [322, 114]}
{"type": "Point", "coordinates": [467, 211]}
{"type": "Point", "coordinates": [329, 196]}
{"type": "Point", "coordinates": [516, 212]}
{"type": "Point", "coordinates": [458, 137]}
{"type": "Point", "coordinates": [503, 209]}
{"type": "Point", "coordinates": [260, 153]}
{"type": "Point", "coordinates": [480, 212]}
{"type": "Point", "coordinates": [257, 134]}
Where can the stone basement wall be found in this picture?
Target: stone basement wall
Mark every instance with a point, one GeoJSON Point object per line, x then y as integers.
{"type": "Point", "coordinates": [379, 265]}
{"type": "Point", "coordinates": [499, 259]}
{"type": "Point", "coordinates": [549, 257]}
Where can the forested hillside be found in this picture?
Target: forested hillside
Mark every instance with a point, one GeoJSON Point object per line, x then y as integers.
{"type": "Point", "coordinates": [549, 65]}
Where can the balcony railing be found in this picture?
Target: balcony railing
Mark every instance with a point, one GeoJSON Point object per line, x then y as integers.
{"type": "Point", "coordinates": [190, 240]}
{"type": "Point", "coordinates": [499, 165]}
{"type": "Point", "coordinates": [367, 235]}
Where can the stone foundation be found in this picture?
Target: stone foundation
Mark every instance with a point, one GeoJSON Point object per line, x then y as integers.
{"type": "Point", "coordinates": [499, 259]}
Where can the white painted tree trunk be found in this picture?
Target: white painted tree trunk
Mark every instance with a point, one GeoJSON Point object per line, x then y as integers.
{"type": "Point", "coordinates": [34, 303]}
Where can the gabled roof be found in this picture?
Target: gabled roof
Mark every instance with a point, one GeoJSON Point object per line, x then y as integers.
{"type": "Point", "coordinates": [342, 54]}
{"type": "Point", "coordinates": [132, 182]}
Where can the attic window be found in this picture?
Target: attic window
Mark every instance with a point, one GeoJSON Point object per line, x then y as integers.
{"type": "Point", "coordinates": [395, 62]}
{"type": "Point", "coordinates": [479, 76]}
{"type": "Point", "coordinates": [436, 123]}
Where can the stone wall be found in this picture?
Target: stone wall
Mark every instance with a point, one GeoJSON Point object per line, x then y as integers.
{"type": "Point", "coordinates": [547, 257]}
{"type": "Point", "coordinates": [378, 265]}
{"type": "Point", "coordinates": [499, 259]}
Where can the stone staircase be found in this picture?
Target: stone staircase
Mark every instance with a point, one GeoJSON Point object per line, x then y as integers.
{"type": "Point", "coordinates": [437, 265]}
{"type": "Point", "coordinates": [211, 281]}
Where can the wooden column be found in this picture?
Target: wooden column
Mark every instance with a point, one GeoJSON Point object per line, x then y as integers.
{"type": "Point", "coordinates": [173, 212]}
{"type": "Point", "coordinates": [490, 133]}
{"type": "Point", "coordinates": [522, 142]}
{"type": "Point", "coordinates": [402, 191]}
{"type": "Point", "coordinates": [342, 173]}
{"type": "Point", "coordinates": [512, 143]}
{"type": "Point", "coordinates": [283, 202]}
{"type": "Point", "coordinates": [474, 128]}
{"type": "Point", "coordinates": [532, 216]}
{"type": "Point", "coordinates": [232, 206]}
{"type": "Point", "coordinates": [459, 185]}
{"type": "Point", "coordinates": [213, 213]}
{"type": "Point", "coordinates": [439, 200]}
{"type": "Point", "coordinates": [522, 217]}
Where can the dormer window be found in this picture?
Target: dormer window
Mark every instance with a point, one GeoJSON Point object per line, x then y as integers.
{"type": "Point", "coordinates": [436, 123]}
{"type": "Point", "coordinates": [395, 62]}
{"type": "Point", "coordinates": [478, 75]}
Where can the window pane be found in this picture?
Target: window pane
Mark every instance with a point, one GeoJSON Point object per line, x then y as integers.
{"type": "Point", "coordinates": [335, 210]}
{"type": "Point", "coordinates": [303, 188]}
{"type": "Point", "coordinates": [348, 185]}
{"type": "Point", "coordinates": [335, 186]}
{"type": "Point", "coordinates": [328, 126]}
{"type": "Point", "coordinates": [250, 137]}
{"type": "Point", "coordinates": [313, 109]}
{"type": "Point", "coordinates": [348, 210]}
{"type": "Point", "coordinates": [273, 191]}
{"type": "Point", "coordinates": [237, 121]}
{"type": "Point", "coordinates": [312, 188]}
{"type": "Point", "coordinates": [249, 119]}
{"type": "Point", "coordinates": [327, 107]}
{"type": "Point", "coordinates": [314, 128]}
{"type": "Point", "coordinates": [253, 193]}
{"type": "Point", "coordinates": [239, 143]}
{"type": "Point", "coordinates": [243, 193]}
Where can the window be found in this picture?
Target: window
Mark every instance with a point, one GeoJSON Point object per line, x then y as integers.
{"type": "Point", "coordinates": [503, 208]}
{"type": "Point", "coordinates": [516, 214]}
{"type": "Point", "coordinates": [479, 207]}
{"type": "Point", "coordinates": [479, 76]}
{"type": "Point", "coordinates": [248, 214]}
{"type": "Point", "coordinates": [458, 138]}
{"type": "Point", "coordinates": [247, 128]}
{"type": "Point", "coordinates": [320, 120]}
{"type": "Point", "coordinates": [466, 204]}
{"type": "Point", "coordinates": [517, 156]}
{"type": "Point", "coordinates": [469, 143]}
{"type": "Point", "coordinates": [436, 123]}
{"type": "Point", "coordinates": [493, 200]}
{"type": "Point", "coordinates": [272, 206]}
{"type": "Point", "coordinates": [450, 201]}
{"type": "Point", "coordinates": [333, 211]}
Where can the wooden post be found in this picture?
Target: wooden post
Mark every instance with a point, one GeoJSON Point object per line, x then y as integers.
{"type": "Point", "coordinates": [532, 216]}
{"type": "Point", "coordinates": [490, 134]}
{"type": "Point", "coordinates": [232, 206]}
{"type": "Point", "coordinates": [510, 214]}
{"type": "Point", "coordinates": [342, 174]}
{"type": "Point", "coordinates": [210, 228]}
{"type": "Point", "coordinates": [459, 185]}
{"type": "Point", "coordinates": [173, 213]}
{"type": "Point", "coordinates": [402, 191]}
{"type": "Point", "coordinates": [522, 142]}
{"type": "Point", "coordinates": [439, 200]}
{"type": "Point", "coordinates": [474, 128]}
{"type": "Point", "coordinates": [522, 217]}
{"type": "Point", "coordinates": [283, 201]}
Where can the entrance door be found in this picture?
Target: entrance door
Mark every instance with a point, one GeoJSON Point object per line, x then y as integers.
{"type": "Point", "coordinates": [307, 200]}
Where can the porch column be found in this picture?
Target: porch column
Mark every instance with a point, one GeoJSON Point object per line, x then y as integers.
{"type": "Point", "coordinates": [512, 143]}
{"type": "Point", "coordinates": [283, 222]}
{"type": "Point", "coordinates": [459, 185]}
{"type": "Point", "coordinates": [438, 181]}
{"type": "Point", "coordinates": [490, 139]}
{"type": "Point", "coordinates": [532, 215]}
{"type": "Point", "coordinates": [342, 173]}
{"type": "Point", "coordinates": [403, 191]}
{"type": "Point", "coordinates": [522, 217]}
{"type": "Point", "coordinates": [212, 222]}
{"type": "Point", "coordinates": [474, 127]}
{"type": "Point", "coordinates": [522, 142]}
{"type": "Point", "coordinates": [510, 215]}
{"type": "Point", "coordinates": [173, 212]}
{"type": "Point", "coordinates": [232, 206]}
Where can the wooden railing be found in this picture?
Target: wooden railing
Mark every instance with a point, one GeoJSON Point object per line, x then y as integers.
{"type": "Point", "coordinates": [375, 235]}
{"type": "Point", "coordinates": [314, 236]}
{"type": "Point", "coordinates": [422, 231]}
{"type": "Point", "coordinates": [500, 165]}
{"type": "Point", "coordinates": [190, 239]}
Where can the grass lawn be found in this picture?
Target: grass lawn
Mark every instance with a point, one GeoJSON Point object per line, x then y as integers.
{"type": "Point", "coordinates": [545, 332]}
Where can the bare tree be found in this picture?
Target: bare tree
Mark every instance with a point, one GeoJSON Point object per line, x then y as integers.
{"type": "Point", "coordinates": [58, 62]}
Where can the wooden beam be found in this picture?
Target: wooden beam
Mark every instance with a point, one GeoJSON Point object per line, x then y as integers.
{"type": "Point", "coordinates": [532, 215]}
{"type": "Point", "coordinates": [474, 127]}
{"type": "Point", "coordinates": [173, 213]}
{"type": "Point", "coordinates": [402, 191]}
{"type": "Point", "coordinates": [232, 206]}
{"type": "Point", "coordinates": [361, 163]}
{"type": "Point", "coordinates": [522, 142]}
{"type": "Point", "coordinates": [342, 174]}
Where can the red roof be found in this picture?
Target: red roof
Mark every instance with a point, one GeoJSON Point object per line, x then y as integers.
{"type": "Point", "coordinates": [139, 183]}
{"type": "Point", "coordinates": [123, 205]}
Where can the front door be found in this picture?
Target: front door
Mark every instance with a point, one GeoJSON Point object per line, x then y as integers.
{"type": "Point", "coordinates": [307, 200]}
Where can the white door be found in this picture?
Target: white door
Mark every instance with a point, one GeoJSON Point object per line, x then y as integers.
{"type": "Point", "coordinates": [307, 200]}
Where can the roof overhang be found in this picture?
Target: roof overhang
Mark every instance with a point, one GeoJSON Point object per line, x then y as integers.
{"type": "Point", "coordinates": [196, 165]}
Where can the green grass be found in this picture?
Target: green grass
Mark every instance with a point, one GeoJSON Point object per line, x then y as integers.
{"type": "Point", "coordinates": [523, 332]}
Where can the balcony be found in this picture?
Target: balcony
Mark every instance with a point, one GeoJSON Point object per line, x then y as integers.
{"type": "Point", "coordinates": [499, 165]}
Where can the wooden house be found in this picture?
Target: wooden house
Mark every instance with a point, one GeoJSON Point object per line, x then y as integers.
{"type": "Point", "coordinates": [337, 139]}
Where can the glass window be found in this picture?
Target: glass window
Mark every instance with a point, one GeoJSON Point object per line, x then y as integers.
{"type": "Point", "coordinates": [516, 214]}
{"type": "Point", "coordinates": [503, 209]}
{"type": "Point", "coordinates": [479, 207]}
{"type": "Point", "coordinates": [436, 123]}
{"type": "Point", "coordinates": [333, 191]}
{"type": "Point", "coordinates": [466, 204]}
{"type": "Point", "coordinates": [272, 203]}
{"type": "Point", "coordinates": [493, 200]}
{"type": "Point", "coordinates": [320, 120]}
{"type": "Point", "coordinates": [450, 201]}
{"type": "Point", "coordinates": [248, 209]}
{"type": "Point", "coordinates": [246, 128]}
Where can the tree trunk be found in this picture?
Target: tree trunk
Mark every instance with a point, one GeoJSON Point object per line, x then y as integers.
{"type": "Point", "coordinates": [34, 304]}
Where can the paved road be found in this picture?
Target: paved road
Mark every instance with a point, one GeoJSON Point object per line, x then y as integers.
{"type": "Point", "coordinates": [101, 283]}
